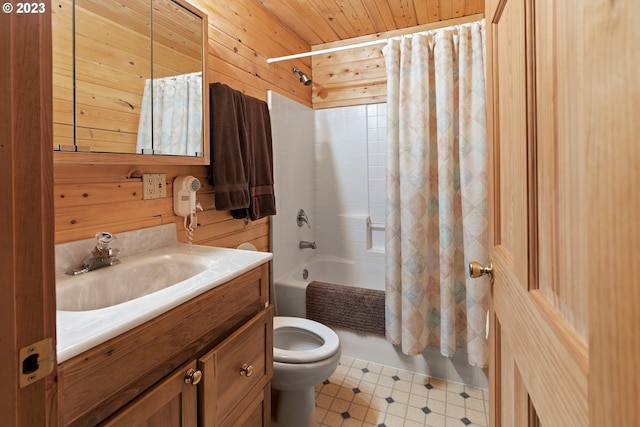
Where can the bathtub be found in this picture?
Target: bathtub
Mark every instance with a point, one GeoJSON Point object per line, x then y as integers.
{"type": "Point", "coordinates": [289, 298]}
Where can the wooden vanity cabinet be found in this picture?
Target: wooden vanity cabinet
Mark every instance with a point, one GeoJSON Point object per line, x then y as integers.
{"type": "Point", "coordinates": [138, 378]}
{"type": "Point", "coordinates": [232, 392]}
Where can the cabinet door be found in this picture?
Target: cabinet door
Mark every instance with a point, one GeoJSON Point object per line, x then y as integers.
{"type": "Point", "coordinates": [235, 375]}
{"type": "Point", "coordinates": [254, 412]}
{"type": "Point", "coordinates": [171, 403]}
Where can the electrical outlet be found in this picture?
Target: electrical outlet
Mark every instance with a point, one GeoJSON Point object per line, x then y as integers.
{"type": "Point", "coordinates": [148, 186]}
{"type": "Point", "coordinates": [161, 185]}
{"type": "Point", "coordinates": [154, 185]}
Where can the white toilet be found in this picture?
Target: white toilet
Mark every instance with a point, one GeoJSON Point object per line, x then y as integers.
{"type": "Point", "coordinates": [305, 353]}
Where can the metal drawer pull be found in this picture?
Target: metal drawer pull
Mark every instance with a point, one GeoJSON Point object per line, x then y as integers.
{"type": "Point", "coordinates": [192, 377]}
{"type": "Point", "coordinates": [246, 370]}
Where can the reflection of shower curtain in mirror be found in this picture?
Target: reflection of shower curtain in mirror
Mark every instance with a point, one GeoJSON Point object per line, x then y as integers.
{"type": "Point", "coordinates": [177, 115]}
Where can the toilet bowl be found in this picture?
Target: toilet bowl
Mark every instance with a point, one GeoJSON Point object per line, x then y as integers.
{"type": "Point", "coordinates": [305, 353]}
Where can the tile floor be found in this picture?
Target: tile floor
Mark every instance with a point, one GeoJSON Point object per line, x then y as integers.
{"type": "Point", "coordinates": [366, 394]}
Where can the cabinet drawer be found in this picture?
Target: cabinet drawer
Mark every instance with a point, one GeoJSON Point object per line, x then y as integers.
{"type": "Point", "coordinates": [171, 403]}
{"type": "Point", "coordinates": [236, 370]}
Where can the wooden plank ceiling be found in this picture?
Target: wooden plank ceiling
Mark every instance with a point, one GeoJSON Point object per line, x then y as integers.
{"type": "Point", "coordinates": [324, 21]}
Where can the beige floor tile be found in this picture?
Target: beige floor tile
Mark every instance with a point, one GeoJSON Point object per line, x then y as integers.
{"type": "Point", "coordinates": [474, 404]}
{"type": "Point", "coordinates": [437, 406]}
{"type": "Point", "coordinates": [358, 412]}
{"type": "Point", "coordinates": [455, 387]}
{"type": "Point", "coordinates": [389, 371]}
{"type": "Point", "coordinates": [382, 391]}
{"type": "Point", "coordinates": [404, 386]}
{"type": "Point", "coordinates": [477, 418]}
{"type": "Point", "coordinates": [374, 416]}
{"type": "Point", "coordinates": [333, 419]}
{"type": "Point", "coordinates": [439, 384]}
{"type": "Point", "coordinates": [369, 407]}
{"type": "Point", "coordinates": [455, 399]}
{"type": "Point", "coordinates": [375, 367]}
{"type": "Point", "coordinates": [386, 381]}
{"type": "Point", "coordinates": [415, 415]}
{"type": "Point", "coordinates": [393, 421]}
{"type": "Point", "coordinates": [400, 396]}
{"type": "Point", "coordinates": [339, 406]}
{"type": "Point", "coordinates": [437, 394]}
{"type": "Point", "coordinates": [352, 422]}
{"type": "Point", "coordinates": [330, 389]}
{"type": "Point", "coordinates": [405, 375]}
{"type": "Point", "coordinates": [474, 392]}
{"type": "Point", "coordinates": [418, 401]}
{"type": "Point", "coordinates": [371, 377]}
{"type": "Point", "coordinates": [324, 401]}
{"type": "Point", "coordinates": [435, 420]}
{"type": "Point", "coordinates": [454, 411]}
{"type": "Point", "coordinates": [397, 409]}
{"type": "Point", "coordinates": [345, 394]}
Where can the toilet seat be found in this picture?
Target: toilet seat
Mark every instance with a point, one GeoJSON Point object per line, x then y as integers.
{"type": "Point", "coordinates": [329, 339]}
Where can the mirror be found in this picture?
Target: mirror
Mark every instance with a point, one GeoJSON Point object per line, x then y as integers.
{"type": "Point", "coordinates": [129, 77]}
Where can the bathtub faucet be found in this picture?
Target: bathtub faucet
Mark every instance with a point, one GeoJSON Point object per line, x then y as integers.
{"type": "Point", "coordinates": [307, 245]}
{"type": "Point", "coordinates": [302, 218]}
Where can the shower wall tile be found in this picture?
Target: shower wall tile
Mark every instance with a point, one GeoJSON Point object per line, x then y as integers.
{"type": "Point", "coordinates": [377, 150]}
{"type": "Point", "coordinates": [331, 163]}
{"type": "Point", "coordinates": [294, 180]}
{"type": "Point", "coordinates": [350, 179]}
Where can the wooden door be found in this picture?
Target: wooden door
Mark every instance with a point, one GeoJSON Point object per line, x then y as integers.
{"type": "Point", "coordinates": [564, 110]}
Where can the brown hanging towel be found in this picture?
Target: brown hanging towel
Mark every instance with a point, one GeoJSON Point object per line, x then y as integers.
{"type": "Point", "coordinates": [229, 168]}
{"type": "Point", "coordinates": [262, 201]}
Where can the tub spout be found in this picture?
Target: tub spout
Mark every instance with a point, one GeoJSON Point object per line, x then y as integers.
{"type": "Point", "coordinates": [307, 245]}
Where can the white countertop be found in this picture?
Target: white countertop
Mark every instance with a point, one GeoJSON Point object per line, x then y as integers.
{"type": "Point", "coordinates": [78, 331]}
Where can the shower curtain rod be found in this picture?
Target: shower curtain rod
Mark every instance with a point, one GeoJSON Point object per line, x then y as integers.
{"type": "Point", "coordinates": [476, 17]}
{"type": "Point", "coordinates": [328, 50]}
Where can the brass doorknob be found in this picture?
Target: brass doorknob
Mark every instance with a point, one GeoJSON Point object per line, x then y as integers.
{"type": "Point", "coordinates": [192, 376]}
{"type": "Point", "coordinates": [477, 270]}
{"type": "Point", "coordinates": [246, 370]}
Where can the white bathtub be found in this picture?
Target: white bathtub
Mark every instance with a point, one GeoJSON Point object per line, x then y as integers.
{"type": "Point", "coordinates": [290, 288]}
{"type": "Point", "coordinates": [289, 298]}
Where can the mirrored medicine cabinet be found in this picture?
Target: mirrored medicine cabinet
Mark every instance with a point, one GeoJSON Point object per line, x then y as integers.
{"type": "Point", "coordinates": [129, 82]}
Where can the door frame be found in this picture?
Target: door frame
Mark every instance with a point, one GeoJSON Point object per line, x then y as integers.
{"type": "Point", "coordinates": [27, 306]}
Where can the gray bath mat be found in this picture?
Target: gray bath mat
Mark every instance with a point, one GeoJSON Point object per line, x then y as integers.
{"type": "Point", "coordinates": [358, 309]}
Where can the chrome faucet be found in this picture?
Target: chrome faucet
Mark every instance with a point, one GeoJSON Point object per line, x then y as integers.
{"type": "Point", "coordinates": [307, 245]}
{"type": "Point", "coordinates": [101, 256]}
{"type": "Point", "coordinates": [303, 218]}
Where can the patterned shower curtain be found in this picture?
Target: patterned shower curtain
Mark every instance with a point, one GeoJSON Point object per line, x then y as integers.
{"type": "Point", "coordinates": [437, 191]}
{"type": "Point", "coordinates": [176, 105]}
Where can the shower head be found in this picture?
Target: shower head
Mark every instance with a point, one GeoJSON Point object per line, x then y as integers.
{"type": "Point", "coordinates": [304, 79]}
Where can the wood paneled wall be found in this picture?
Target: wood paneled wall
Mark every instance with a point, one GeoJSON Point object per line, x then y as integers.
{"type": "Point", "coordinates": [358, 76]}
{"type": "Point", "coordinates": [242, 35]}
{"type": "Point", "coordinates": [92, 198]}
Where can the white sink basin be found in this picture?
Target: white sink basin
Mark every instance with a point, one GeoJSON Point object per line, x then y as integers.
{"type": "Point", "coordinates": [132, 278]}
{"type": "Point", "coordinates": [99, 305]}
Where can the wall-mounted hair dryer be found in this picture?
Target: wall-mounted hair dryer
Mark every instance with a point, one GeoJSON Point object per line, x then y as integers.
{"type": "Point", "coordinates": [185, 203]}
{"type": "Point", "coordinates": [184, 195]}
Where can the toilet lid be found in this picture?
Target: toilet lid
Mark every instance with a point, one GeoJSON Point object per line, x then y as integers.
{"type": "Point", "coordinates": [328, 341]}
